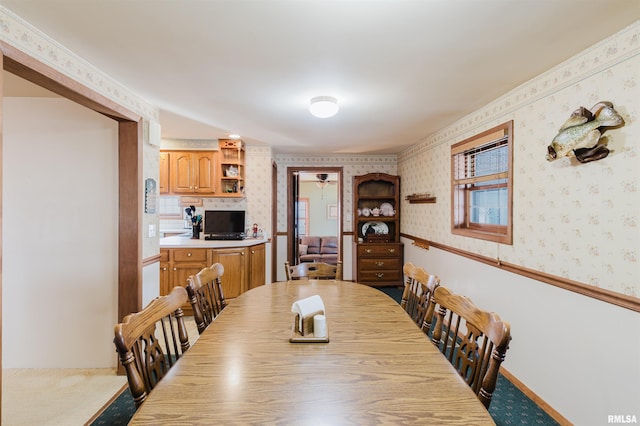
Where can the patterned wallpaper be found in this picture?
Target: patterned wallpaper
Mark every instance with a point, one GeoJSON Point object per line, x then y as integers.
{"type": "Point", "coordinates": [573, 220]}
{"type": "Point", "coordinates": [22, 35]}
{"type": "Point", "coordinates": [352, 165]}
{"type": "Point", "coordinates": [258, 187]}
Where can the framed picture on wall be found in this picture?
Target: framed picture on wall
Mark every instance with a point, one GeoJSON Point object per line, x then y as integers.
{"type": "Point", "coordinates": [332, 211]}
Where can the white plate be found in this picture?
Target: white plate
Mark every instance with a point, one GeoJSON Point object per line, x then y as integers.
{"type": "Point", "coordinates": [378, 227]}
{"type": "Point", "coordinates": [386, 206]}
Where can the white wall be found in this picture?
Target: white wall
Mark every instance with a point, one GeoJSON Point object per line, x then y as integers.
{"type": "Point", "coordinates": [60, 235]}
{"type": "Point", "coordinates": [319, 199]}
{"type": "Point", "coordinates": [580, 355]}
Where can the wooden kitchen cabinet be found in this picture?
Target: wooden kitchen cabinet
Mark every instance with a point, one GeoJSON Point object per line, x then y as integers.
{"type": "Point", "coordinates": [165, 277]}
{"type": "Point", "coordinates": [179, 264]}
{"type": "Point", "coordinates": [205, 173]}
{"type": "Point", "coordinates": [192, 172]}
{"type": "Point", "coordinates": [231, 160]}
{"type": "Point", "coordinates": [257, 273]}
{"type": "Point", "coordinates": [235, 262]}
{"type": "Point", "coordinates": [244, 268]}
{"type": "Point", "coordinates": [163, 185]}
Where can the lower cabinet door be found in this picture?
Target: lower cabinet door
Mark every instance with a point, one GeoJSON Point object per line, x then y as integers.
{"type": "Point", "coordinates": [257, 271]}
{"type": "Point", "coordinates": [179, 275]}
{"type": "Point", "coordinates": [234, 261]}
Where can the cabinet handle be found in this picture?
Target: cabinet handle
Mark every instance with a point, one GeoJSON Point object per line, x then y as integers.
{"type": "Point", "coordinates": [380, 274]}
{"type": "Point", "coordinates": [196, 187]}
{"type": "Point", "coordinates": [188, 254]}
{"type": "Point", "coordinates": [164, 269]}
{"type": "Point", "coordinates": [392, 250]}
{"type": "Point", "coordinates": [175, 269]}
{"type": "Point", "coordinates": [368, 250]}
{"type": "Point", "coordinates": [380, 264]}
{"type": "Point", "coordinates": [242, 254]}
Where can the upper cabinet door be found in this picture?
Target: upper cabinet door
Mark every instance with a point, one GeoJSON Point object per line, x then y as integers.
{"type": "Point", "coordinates": [182, 172]}
{"type": "Point", "coordinates": [205, 173]}
{"type": "Point", "coordinates": [164, 173]}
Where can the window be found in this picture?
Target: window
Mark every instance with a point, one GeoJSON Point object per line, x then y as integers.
{"type": "Point", "coordinates": [481, 185]}
{"type": "Point", "coordinates": [303, 216]}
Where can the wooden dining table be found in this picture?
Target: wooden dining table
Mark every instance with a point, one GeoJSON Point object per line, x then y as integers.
{"type": "Point", "coordinates": [377, 368]}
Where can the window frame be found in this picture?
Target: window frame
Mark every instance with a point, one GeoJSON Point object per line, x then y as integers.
{"type": "Point", "coordinates": [462, 188]}
{"type": "Point", "coordinates": [303, 222]}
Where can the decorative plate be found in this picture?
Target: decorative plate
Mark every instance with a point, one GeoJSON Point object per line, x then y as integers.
{"type": "Point", "coordinates": [386, 206]}
{"type": "Point", "coordinates": [378, 227]}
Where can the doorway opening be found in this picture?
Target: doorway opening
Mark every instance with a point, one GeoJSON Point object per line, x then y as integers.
{"type": "Point", "coordinates": [314, 208]}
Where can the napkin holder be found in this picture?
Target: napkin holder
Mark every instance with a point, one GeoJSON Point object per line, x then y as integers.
{"type": "Point", "coordinates": [305, 335]}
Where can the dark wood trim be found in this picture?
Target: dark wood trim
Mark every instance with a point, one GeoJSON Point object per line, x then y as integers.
{"type": "Point", "coordinates": [1, 214]}
{"type": "Point", "coordinates": [618, 299]}
{"type": "Point", "coordinates": [130, 219]}
{"type": "Point", "coordinates": [274, 221]}
{"type": "Point", "coordinates": [25, 66]}
{"type": "Point", "coordinates": [111, 400]}
{"type": "Point", "coordinates": [555, 415]}
{"type": "Point", "coordinates": [150, 260]}
{"type": "Point", "coordinates": [130, 167]}
{"type": "Point", "coordinates": [418, 242]}
{"type": "Point", "coordinates": [280, 234]}
{"type": "Point", "coordinates": [290, 197]}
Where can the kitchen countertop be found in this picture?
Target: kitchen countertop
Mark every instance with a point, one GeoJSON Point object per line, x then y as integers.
{"type": "Point", "coordinates": [188, 242]}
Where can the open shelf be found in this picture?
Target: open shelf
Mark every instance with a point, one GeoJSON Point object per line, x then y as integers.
{"type": "Point", "coordinates": [420, 199]}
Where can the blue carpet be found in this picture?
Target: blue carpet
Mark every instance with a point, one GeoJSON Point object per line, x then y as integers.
{"type": "Point", "coordinates": [119, 412]}
{"type": "Point", "coordinates": [508, 406]}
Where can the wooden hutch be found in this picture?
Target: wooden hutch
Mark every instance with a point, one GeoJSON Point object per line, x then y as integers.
{"type": "Point", "coordinates": [378, 252]}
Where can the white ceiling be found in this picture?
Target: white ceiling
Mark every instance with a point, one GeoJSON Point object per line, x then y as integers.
{"type": "Point", "coordinates": [401, 70]}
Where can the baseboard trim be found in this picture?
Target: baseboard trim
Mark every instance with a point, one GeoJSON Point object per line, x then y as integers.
{"type": "Point", "coordinates": [107, 404]}
{"type": "Point", "coordinates": [555, 415]}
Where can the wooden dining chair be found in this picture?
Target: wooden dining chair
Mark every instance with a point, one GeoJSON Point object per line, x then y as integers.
{"type": "Point", "coordinates": [150, 342]}
{"type": "Point", "coordinates": [313, 271]}
{"type": "Point", "coordinates": [417, 296]}
{"type": "Point", "coordinates": [474, 341]}
{"type": "Point", "coordinates": [206, 295]}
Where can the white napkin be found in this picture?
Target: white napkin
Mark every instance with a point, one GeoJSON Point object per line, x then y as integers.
{"type": "Point", "coordinates": [307, 307]}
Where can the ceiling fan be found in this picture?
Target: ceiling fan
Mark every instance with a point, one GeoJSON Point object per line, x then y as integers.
{"type": "Point", "coordinates": [323, 180]}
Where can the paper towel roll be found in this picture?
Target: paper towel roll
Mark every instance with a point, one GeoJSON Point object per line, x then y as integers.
{"type": "Point", "coordinates": [319, 326]}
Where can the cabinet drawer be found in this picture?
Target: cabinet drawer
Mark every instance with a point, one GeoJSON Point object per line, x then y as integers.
{"type": "Point", "coordinates": [379, 264]}
{"type": "Point", "coordinates": [379, 276]}
{"type": "Point", "coordinates": [190, 255]}
{"type": "Point", "coordinates": [379, 250]}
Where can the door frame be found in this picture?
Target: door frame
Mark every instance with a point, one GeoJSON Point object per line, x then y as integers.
{"type": "Point", "coordinates": [130, 185]}
{"type": "Point", "coordinates": [291, 199]}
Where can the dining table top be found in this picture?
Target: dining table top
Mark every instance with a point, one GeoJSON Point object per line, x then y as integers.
{"type": "Point", "coordinates": [377, 368]}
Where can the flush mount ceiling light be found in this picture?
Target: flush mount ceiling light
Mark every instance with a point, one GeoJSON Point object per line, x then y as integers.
{"type": "Point", "coordinates": [323, 106]}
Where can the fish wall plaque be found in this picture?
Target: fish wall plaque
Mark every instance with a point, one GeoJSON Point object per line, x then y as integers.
{"type": "Point", "coordinates": [580, 135]}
